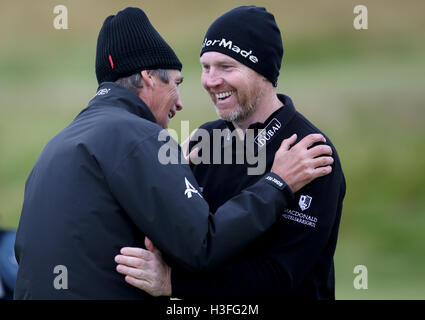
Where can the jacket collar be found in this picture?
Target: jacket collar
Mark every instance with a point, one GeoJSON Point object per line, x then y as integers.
{"type": "Point", "coordinates": [112, 94]}
{"type": "Point", "coordinates": [284, 114]}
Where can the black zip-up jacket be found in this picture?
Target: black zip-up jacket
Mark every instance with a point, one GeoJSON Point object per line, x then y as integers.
{"type": "Point", "coordinates": [98, 185]}
{"type": "Point", "coordinates": [295, 257]}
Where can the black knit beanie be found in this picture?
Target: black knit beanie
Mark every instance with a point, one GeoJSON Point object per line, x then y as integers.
{"type": "Point", "coordinates": [128, 43]}
{"type": "Point", "coordinates": [250, 35]}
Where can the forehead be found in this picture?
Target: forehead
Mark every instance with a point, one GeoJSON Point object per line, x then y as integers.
{"type": "Point", "coordinates": [212, 57]}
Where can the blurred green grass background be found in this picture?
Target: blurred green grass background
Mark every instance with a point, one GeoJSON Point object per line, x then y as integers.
{"type": "Point", "coordinates": [365, 89]}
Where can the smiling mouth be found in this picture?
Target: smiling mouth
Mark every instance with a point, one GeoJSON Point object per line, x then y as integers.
{"type": "Point", "coordinates": [171, 114]}
{"type": "Point", "coordinates": [224, 95]}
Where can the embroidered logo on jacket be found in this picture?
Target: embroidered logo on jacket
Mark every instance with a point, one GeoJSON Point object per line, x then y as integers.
{"type": "Point", "coordinates": [300, 217]}
{"type": "Point", "coordinates": [305, 202]}
{"type": "Point", "coordinates": [102, 92]}
{"type": "Point", "coordinates": [190, 189]}
{"type": "Point", "coordinates": [268, 132]}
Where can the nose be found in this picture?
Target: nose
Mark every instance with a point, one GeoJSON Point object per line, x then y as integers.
{"type": "Point", "coordinates": [211, 79]}
{"type": "Point", "coordinates": [179, 104]}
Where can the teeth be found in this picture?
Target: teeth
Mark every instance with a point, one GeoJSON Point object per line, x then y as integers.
{"type": "Point", "coordinates": [170, 114]}
{"type": "Point", "coordinates": [223, 95]}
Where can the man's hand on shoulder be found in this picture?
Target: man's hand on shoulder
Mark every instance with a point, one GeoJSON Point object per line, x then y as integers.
{"type": "Point", "coordinates": [300, 164]}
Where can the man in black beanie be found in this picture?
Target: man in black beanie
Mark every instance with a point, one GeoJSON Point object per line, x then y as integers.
{"type": "Point", "coordinates": [99, 184]}
{"type": "Point", "coordinates": [241, 57]}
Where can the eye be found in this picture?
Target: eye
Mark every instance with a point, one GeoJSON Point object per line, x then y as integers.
{"type": "Point", "coordinates": [178, 80]}
{"type": "Point", "coordinates": [205, 68]}
{"type": "Point", "coordinates": [226, 66]}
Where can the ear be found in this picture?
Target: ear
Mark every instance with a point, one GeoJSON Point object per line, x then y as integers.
{"type": "Point", "coordinates": [148, 80]}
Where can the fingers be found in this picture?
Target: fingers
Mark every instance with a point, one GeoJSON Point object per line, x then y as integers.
{"type": "Point", "coordinates": [186, 143]}
{"type": "Point", "coordinates": [130, 261]}
{"type": "Point", "coordinates": [321, 171]}
{"type": "Point", "coordinates": [194, 156]}
{"type": "Point", "coordinates": [287, 143]}
{"type": "Point", "coordinates": [151, 247]}
{"type": "Point", "coordinates": [322, 162]}
{"type": "Point", "coordinates": [133, 272]}
{"type": "Point", "coordinates": [138, 283]}
{"type": "Point", "coordinates": [311, 139]}
{"type": "Point", "coordinates": [185, 146]}
{"type": "Point", "coordinates": [319, 150]}
{"type": "Point", "coordinates": [136, 273]}
{"type": "Point", "coordinates": [136, 252]}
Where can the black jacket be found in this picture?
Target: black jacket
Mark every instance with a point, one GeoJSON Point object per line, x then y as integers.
{"type": "Point", "coordinates": [295, 257]}
{"type": "Point", "coordinates": [98, 185]}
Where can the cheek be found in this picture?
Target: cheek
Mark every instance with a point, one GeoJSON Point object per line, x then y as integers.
{"type": "Point", "coordinates": [204, 81]}
{"type": "Point", "coordinates": [248, 86]}
{"type": "Point", "coordinates": [169, 101]}
{"type": "Point", "coordinates": [174, 97]}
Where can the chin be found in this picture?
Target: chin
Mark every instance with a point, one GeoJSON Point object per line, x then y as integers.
{"type": "Point", "coordinates": [164, 124]}
{"type": "Point", "coordinates": [232, 115]}
{"type": "Point", "coordinates": [223, 115]}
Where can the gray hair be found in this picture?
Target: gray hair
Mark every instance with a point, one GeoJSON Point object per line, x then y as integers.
{"type": "Point", "coordinates": [134, 82]}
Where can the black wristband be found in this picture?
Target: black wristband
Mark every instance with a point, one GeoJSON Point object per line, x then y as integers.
{"type": "Point", "coordinates": [277, 182]}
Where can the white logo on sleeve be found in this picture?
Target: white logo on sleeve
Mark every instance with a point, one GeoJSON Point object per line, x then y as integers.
{"type": "Point", "coordinates": [305, 202]}
{"type": "Point", "coordinates": [102, 92]}
{"type": "Point", "coordinates": [190, 189]}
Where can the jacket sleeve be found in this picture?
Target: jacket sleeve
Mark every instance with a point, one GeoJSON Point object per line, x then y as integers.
{"type": "Point", "coordinates": [164, 202]}
{"type": "Point", "coordinates": [281, 268]}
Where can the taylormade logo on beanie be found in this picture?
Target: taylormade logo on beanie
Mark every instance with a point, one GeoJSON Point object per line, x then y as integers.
{"type": "Point", "coordinates": [250, 35]}
{"type": "Point", "coordinates": [229, 44]}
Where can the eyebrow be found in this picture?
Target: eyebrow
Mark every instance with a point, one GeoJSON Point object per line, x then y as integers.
{"type": "Point", "coordinates": [219, 62]}
{"type": "Point", "coordinates": [227, 61]}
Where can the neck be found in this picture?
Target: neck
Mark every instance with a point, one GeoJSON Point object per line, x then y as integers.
{"type": "Point", "coordinates": [269, 104]}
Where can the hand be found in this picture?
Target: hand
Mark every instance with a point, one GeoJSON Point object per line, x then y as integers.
{"type": "Point", "coordinates": [298, 165]}
{"type": "Point", "coordinates": [191, 158]}
{"type": "Point", "coordinates": [145, 269]}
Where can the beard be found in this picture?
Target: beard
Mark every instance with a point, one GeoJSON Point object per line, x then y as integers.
{"type": "Point", "coordinates": [239, 114]}
{"type": "Point", "coordinates": [244, 109]}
